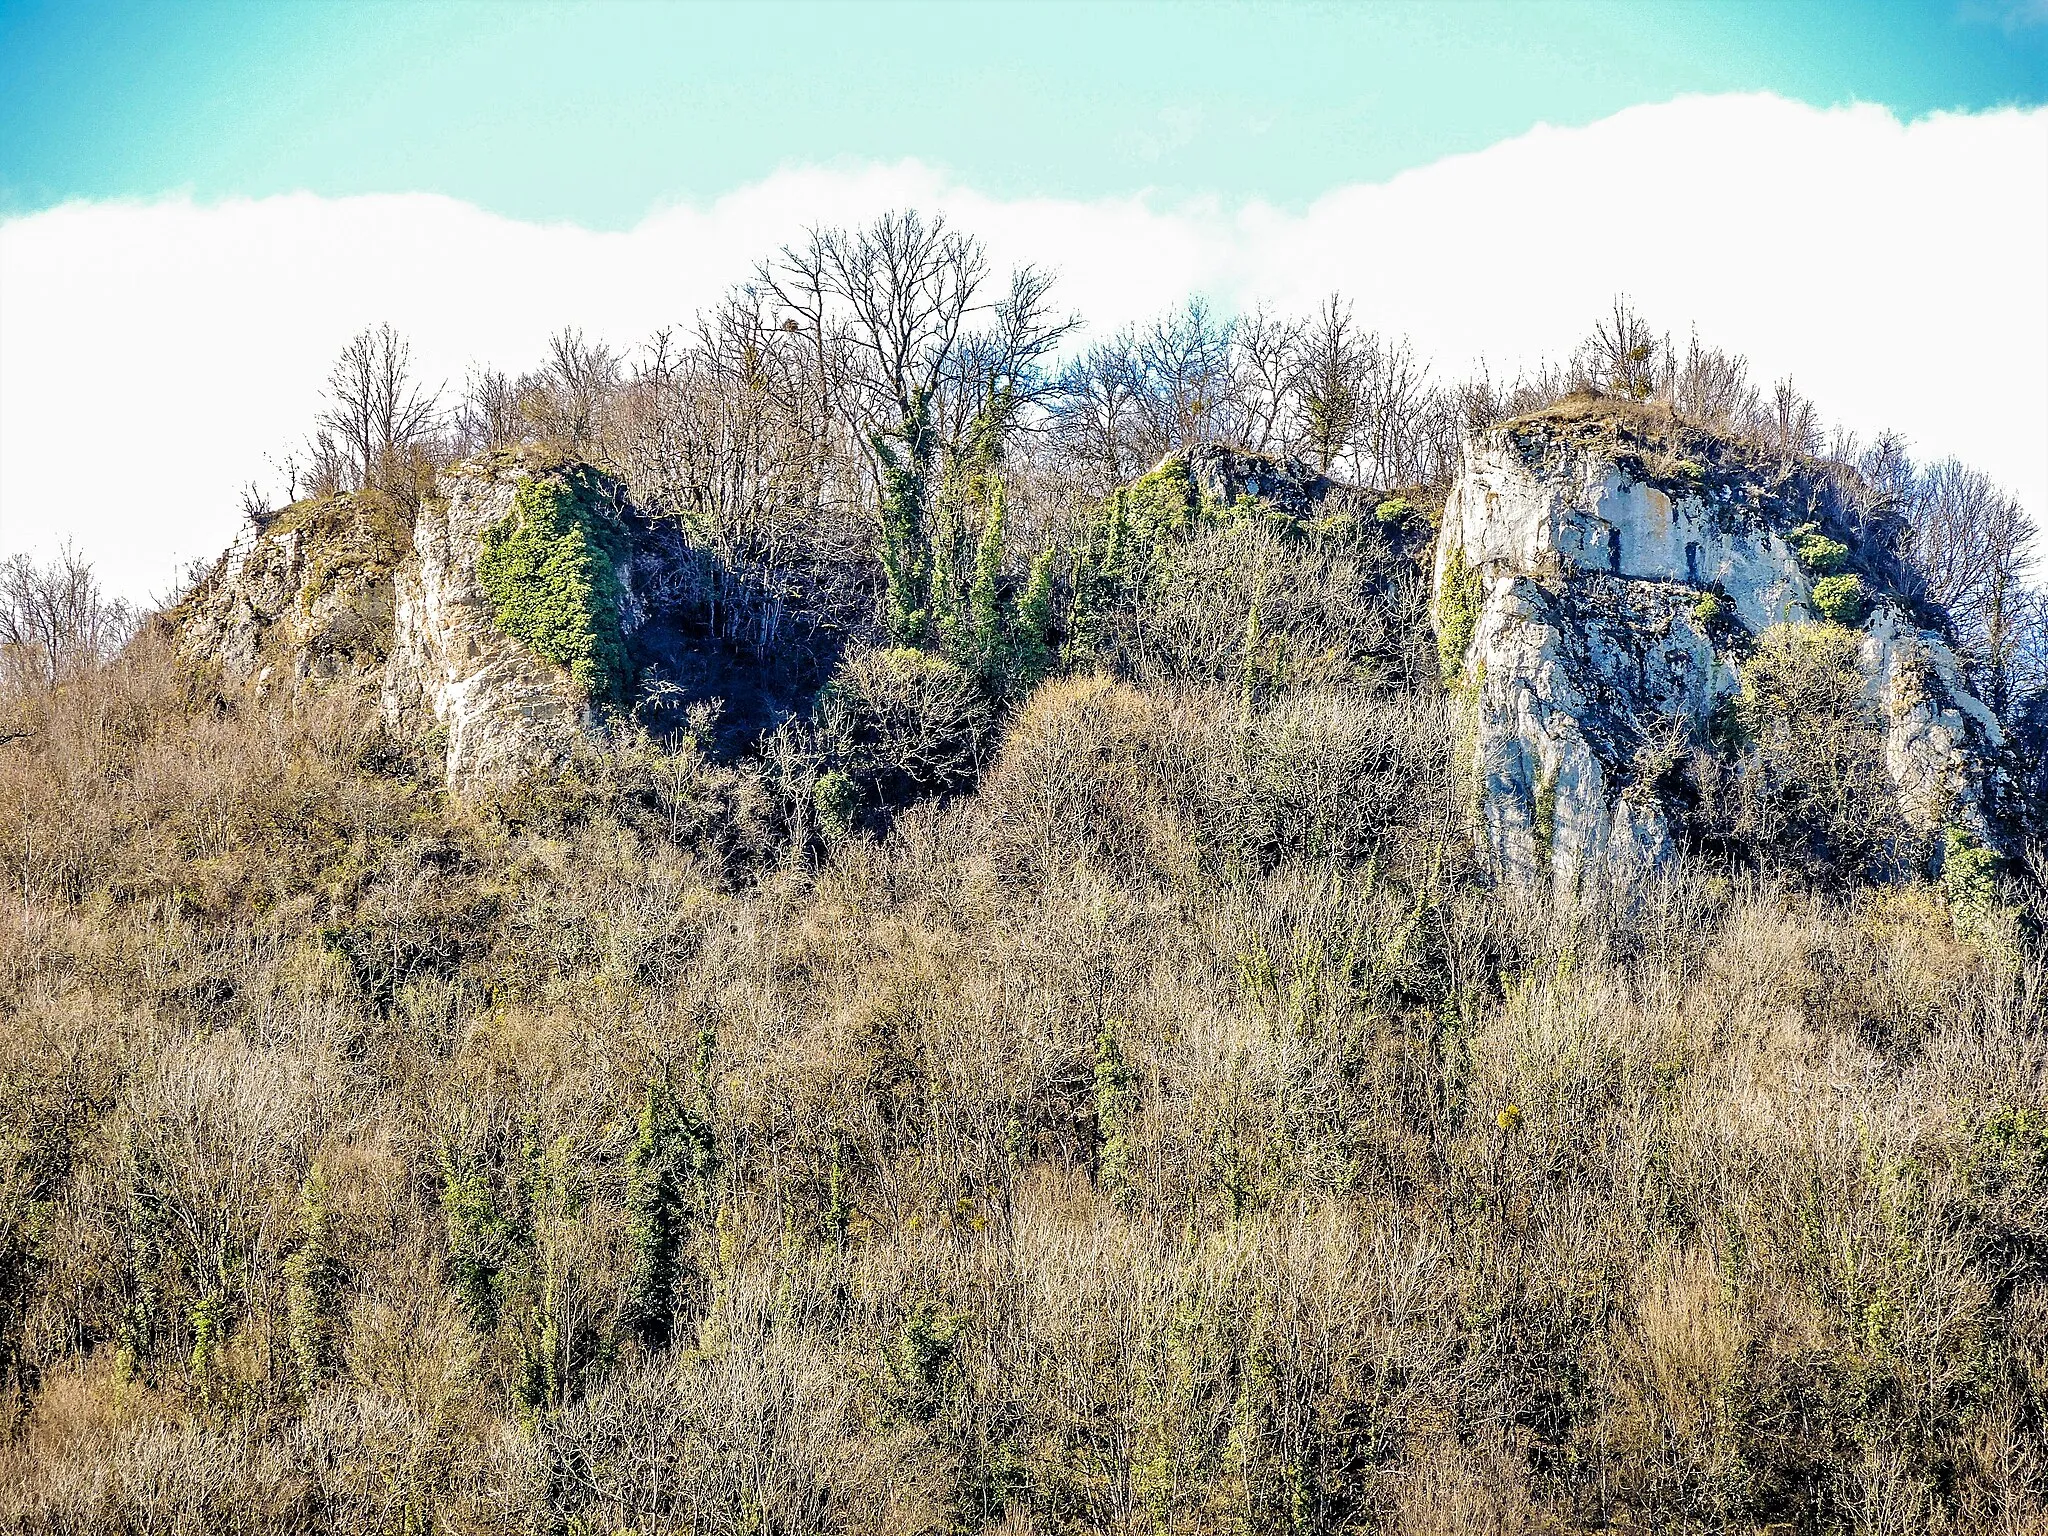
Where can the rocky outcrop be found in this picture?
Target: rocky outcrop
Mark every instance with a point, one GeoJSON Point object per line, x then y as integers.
{"type": "Point", "coordinates": [506, 712]}
{"type": "Point", "coordinates": [1597, 600]}
{"type": "Point", "coordinates": [304, 596]}
{"type": "Point", "coordinates": [1223, 475]}
{"type": "Point", "coordinates": [495, 622]}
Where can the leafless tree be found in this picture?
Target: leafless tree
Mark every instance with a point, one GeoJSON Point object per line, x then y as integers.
{"type": "Point", "coordinates": [377, 413]}
{"type": "Point", "coordinates": [1973, 544]}
{"type": "Point", "coordinates": [1186, 361]}
{"type": "Point", "coordinates": [1002, 375]}
{"type": "Point", "coordinates": [1712, 388]}
{"type": "Point", "coordinates": [1623, 356]}
{"type": "Point", "coordinates": [564, 399]}
{"type": "Point", "coordinates": [1269, 380]}
{"type": "Point", "coordinates": [488, 413]}
{"type": "Point", "coordinates": [1789, 423]}
{"type": "Point", "coordinates": [1098, 420]}
{"type": "Point", "coordinates": [887, 305]}
{"type": "Point", "coordinates": [721, 434]}
{"type": "Point", "coordinates": [1399, 436]}
{"type": "Point", "coordinates": [55, 621]}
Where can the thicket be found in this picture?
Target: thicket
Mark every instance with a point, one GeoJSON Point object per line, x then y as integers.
{"type": "Point", "coordinates": [1173, 1133]}
{"type": "Point", "coordinates": [1072, 1077]}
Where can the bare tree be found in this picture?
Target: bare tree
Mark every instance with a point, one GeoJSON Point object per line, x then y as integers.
{"type": "Point", "coordinates": [1002, 375]}
{"type": "Point", "coordinates": [1623, 356]}
{"type": "Point", "coordinates": [1098, 417]}
{"type": "Point", "coordinates": [1398, 441]}
{"type": "Point", "coordinates": [887, 305]}
{"type": "Point", "coordinates": [488, 413]}
{"type": "Point", "coordinates": [1190, 396]}
{"type": "Point", "coordinates": [1973, 544]}
{"type": "Point", "coordinates": [1269, 381]}
{"type": "Point", "coordinates": [55, 621]}
{"type": "Point", "coordinates": [1789, 423]}
{"type": "Point", "coordinates": [377, 414]}
{"type": "Point", "coordinates": [564, 399]}
{"type": "Point", "coordinates": [1712, 388]}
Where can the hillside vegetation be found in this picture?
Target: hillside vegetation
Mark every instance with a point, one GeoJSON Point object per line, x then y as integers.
{"type": "Point", "coordinates": [1071, 1070]}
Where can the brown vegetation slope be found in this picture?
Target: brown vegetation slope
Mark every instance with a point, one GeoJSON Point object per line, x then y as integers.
{"type": "Point", "coordinates": [1089, 1152]}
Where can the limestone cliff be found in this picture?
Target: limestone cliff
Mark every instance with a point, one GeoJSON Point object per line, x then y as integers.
{"type": "Point", "coordinates": [495, 622]}
{"type": "Point", "coordinates": [305, 596]}
{"type": "Point", "coordinates": [1597, 596]}
{"type": "Point", "coordinates": [512, 701]}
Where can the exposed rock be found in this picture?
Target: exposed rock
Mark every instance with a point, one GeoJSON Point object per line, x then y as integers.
{"type": "Point", "coordinates": [1221, 475]}
{"type": "Point", "coordinates": [344, 590]}
{"type": "Point", "coordinates": [507, 712]}
{"type": "Point", "coordinates": [306, 596]}
{"type": "Point", "coordinates": [1598, 621]}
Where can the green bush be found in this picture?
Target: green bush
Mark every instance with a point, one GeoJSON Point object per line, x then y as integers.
{"type": "Point", "coordinates": [1840, 599]}
{"type": "Point", "coordinates": [1969, 879]}
{"type": "Point", "coordinates": [550, 571]}
{"type": "Point", "coordinates": [836, 801]}
{"type": "Point", "coordinates": [1816, 551]}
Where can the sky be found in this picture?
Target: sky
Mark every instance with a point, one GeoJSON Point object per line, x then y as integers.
{"type": "Point", "coordinates": [200, 202]}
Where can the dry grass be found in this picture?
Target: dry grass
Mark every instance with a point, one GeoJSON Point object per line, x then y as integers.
{"type": "Point", "coordinates": [1429, 1210]}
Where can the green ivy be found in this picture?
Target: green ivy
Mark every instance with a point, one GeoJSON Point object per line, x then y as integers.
{"type": "Point", "coordinates": [550, 571]}
{"type": "Point", "coordinates": [1457, 618]}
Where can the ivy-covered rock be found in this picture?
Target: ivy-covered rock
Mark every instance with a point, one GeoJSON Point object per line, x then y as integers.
{"type": "Point", "coordinates": [552, 572]}
{"type": "Point", "coordinates": [514, 616]}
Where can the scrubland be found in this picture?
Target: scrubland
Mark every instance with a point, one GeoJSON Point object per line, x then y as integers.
{"type": "Point", "coordinates": [1050, 1056]}
{"type": "Point", "coordinates": [1172, 1134]}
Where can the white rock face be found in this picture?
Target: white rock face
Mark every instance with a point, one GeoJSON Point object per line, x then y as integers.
{"type": "Point", "coordinates": [1938, 735]}
{"type": "Point", "coordinates": [507, 713]}
{"type": "Point", "coordinates": [1595, 653]}
{"type": "Point", "coordinates": [1590, 516]}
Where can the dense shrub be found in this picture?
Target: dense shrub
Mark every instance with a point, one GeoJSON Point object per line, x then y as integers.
{"type": "Point", "coordinates": [1163, 1129]}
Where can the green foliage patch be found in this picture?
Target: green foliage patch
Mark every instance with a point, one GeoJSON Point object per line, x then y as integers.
{"type": "Point", "coordinates": [1841, 599]}
{"type": "Point", "coordinates": [550, 571]}
{"type": "Point", "coordinates": [1457, 618]}
{"type": "Point", "coordinates": [1816, 551]}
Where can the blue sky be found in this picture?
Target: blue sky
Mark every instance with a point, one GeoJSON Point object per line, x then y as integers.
{"type": "Point", "coordinates": [600, 113]}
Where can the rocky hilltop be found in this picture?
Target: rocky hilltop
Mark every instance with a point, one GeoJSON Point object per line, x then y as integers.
{"type": "Point", "coordinates": [1604, 584]}
{"type": "Point", "coordinates": [497, 624]}
{"type": "Point", "coordinates": [1610, 590]}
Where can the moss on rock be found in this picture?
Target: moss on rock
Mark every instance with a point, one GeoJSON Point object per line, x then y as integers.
{"type": "Point", "coordinates": [1457, 618]}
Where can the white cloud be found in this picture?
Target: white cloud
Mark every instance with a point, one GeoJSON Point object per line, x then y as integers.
{"type": "Point", "coordinates": [152, 354]}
